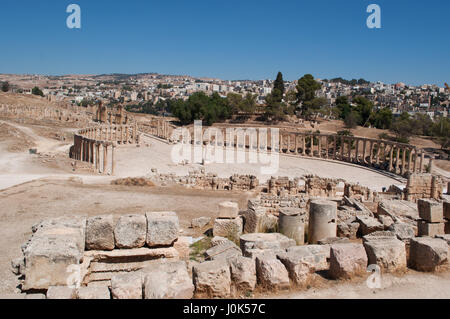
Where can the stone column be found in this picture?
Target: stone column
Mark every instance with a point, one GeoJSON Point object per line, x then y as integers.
{"type": "Point", "coordinates": [371, 153]}
{"type": "Point", "coordinates": [312, 146]}
{"type": "Point", "coordinates": [415, 160]}
{"type": "Point", "coordinates": [378, 153]}
{"type": "Point", "coordinates": [403, 171]}
{"type": "Point", "coordinates": [349, 149]}
{"type": "Point", "coordinates": [113, 160]}
{"type": "Point", "coordinates": [290, 224]}
{"type": "Point", "coordinates": [304, 145]}
{"type": "Point", "coordinates": [397, 161]}
{"type": "Point", "coordinates": [296, 143]}
{"type": "Point", "coordinates": [357, 150]}
{"type": "Point", "coordinates": [422, 158]}
{"type": "Point", "coordinates": [391, 158]}
{"type": "Point", "coordinates": [94, 156]}
{"type": "Point", "coordinates": [410, 169]}
{"type": "Point", "coordinates": [341, 156]}
{"type": "Point", "coordinates": [105, 158]}
{"type": "Point", "coordinates": [364, 151]}
{"type": "Point", "coordinates": [334, 146]}
{"type": "Point", "coordinates": [322, 220]}
{"type": "Point", "coordinates": [320, 146]}
{"type": "Point", "coordinates": [327, 147]}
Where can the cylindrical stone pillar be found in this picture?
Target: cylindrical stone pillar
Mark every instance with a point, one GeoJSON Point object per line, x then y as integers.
{"type": "Point", "coordinates": [322, 220]}
{"type": "Point", "coordinates": [290, 224]}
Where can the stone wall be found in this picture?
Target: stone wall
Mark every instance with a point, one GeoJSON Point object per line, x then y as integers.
{"type": "Point", "coordinates": [423, 186]}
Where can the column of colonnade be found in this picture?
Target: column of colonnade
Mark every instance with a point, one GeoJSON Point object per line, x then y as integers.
{"type": "Point", "coordinates": [394, 157]}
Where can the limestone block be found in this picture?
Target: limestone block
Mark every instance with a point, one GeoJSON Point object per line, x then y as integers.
{"type": "Point", "coordinates": [257, 220]}
{"type": "Point", "coordinates": [228, 210]}
{"type": "Point", "coordinates": [271, 273]}
{"type": "Point", "coordinates": [317, 256]}
{"type": "Point", "coordinates": [162, 228]}
{"type": "Point", "coordinates": [389, 254]}
{"type": "Point", "coordinates": [430, 210]}
{"type": "Point", "coordinates": [347, 229]}
{"type": "Point", "coordinates": [446, 209]}
{"type": "Point", "coordinates": [50, 261]}
{"type": "Point", "coordinates": [430, 229]}
{"type": "Point", "coordinates": [182, 245]}
{"type": "Point", "coordinates": [200, 222]}
{"type": "Point", "coordinates": [369, 225]}
{"type": "Point", "coordinates": [90, 293]}
{"type": "Point", "coordinates": [228, 228]}
{"type": "Point", "coordinates": [212, 279]}
{"type": "Point", "coordinates": [35, 296]}
{"type": "Point", "coordinates": [386, 221]}
{"type": "Point", "coordinates": [223, 251]}
{"type": "Point", "coordinates": [130, 231]}
{"type": "Point", "coordinates": [126, 286]}
{"type": "Point", "coordinates": [100, 233]}
{"type": "Point", "coordinates": [264, 241]}
{"type": "Point", "coordinates": [427, 254]}
{"type": "Point", "coordinates": [243, 273]}
{"type": "Point", "coordinates": [61, 292]}
{"type": "Point", "coordinates": [444, 237]}
{"type": "Point", "coordinates": [347, 260]}
{"type": "Point", "coordinates": [168, 280]}
{"type": "Point", "coordinates": [403, 231]}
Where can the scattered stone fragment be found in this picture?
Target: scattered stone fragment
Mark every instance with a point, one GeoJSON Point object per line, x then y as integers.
{"type": "Point", "coordinates": [271, 273]}
{"type": "Point", "coordinates": [427, 254]}
{"type": "Point", "coordinates": [126, 286]}
{"type": "Point", "coordinates": [61, 292]}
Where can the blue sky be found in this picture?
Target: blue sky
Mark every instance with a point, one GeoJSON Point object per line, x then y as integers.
{"type": "Point", "coordinates": [230, 39]}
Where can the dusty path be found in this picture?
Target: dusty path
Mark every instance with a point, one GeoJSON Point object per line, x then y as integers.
{"type": "Point", "coordinates": [413, 285]}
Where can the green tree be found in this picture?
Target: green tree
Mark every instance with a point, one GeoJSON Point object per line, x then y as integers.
{"type": "Point", "coordinates": [5, 87]}
{"type": "Point", "coordinates": [37, 91]}
{"type": "Point", "coordinates": [278, 87]}
{"type": "Point", "coordinates": [306, 90]}
{"type": "Point", "coordinates": [383, 118]}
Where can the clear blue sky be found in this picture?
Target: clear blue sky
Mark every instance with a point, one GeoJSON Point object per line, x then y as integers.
{"type": "Point", "coordinates": [230, 39]}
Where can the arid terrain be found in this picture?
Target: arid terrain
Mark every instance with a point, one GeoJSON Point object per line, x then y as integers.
{"type": "Point", "coordinates": [38, 180]}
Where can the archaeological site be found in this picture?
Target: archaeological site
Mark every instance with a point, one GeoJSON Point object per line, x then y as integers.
{"type": "Point", "coordinates": [98, 204]}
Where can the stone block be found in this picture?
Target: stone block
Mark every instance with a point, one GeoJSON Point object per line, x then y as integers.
{"type": "Point", "coordinates": [100, 233]}
{"type": "Point", "coordinates": [130, 231]}
{"type": "Point", "coordinates": [126, 286]}
{"type": "Point", "coordinates": [265, 241]}
{"type": "Point", "coordinates": [348, 229]}
{"type": "Point", "coordinates": [162, 228]}
{"type": "Point", "coordinates": [257, 220]}
{"type": "Point", "coordinates": [168, 280]}
{"type": "Point", "coordinates": [388, 254]}
{"type": "Point", "coordinates": [50, 261]}
{"type": "Point", "coordinates": [223, 251]}
{"type": "Point", "coordinates": [61, 292]}
{"type": "Point", "coordinates": [369, 225]}
{"type": "Point", "coordinates": [347, 260]}
{"type": "Point", "coordinates": [200, 222]}
{"type": "Point", "coordinates": [90, 293]}
{"type": "Point", "coordinates": [317, 256]}
{"type": "Point", "coordinates": [243, 273]}
{"type": "Point", "coordinates": [427, 254]}
{"type": "Point", "coordinates": [403, 231]}
{"type": "Point", "coordinates": [430, 229]}
{"type": "Point", "coordinates": [182, 245]}
{"type": "Point", "coordinates": [228, 228]}
{"type": "Point", "coordinates": [271, 273]}
{"type": "Point", "coordinates": [212, 279]}
{"type": "Point", "coordinates": [430, 210]}
{"type": "Point", "coordinates": [228, 210]}
{"type": "Point", "coordinates": [446, 208]}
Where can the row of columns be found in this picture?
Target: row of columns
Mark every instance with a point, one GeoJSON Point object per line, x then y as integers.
{"type": "Point", "coordinates": [99, 153]}
{"type": "Point", "coordinates": [394, 157]}
{"type": "Point", "coordinates": [121, 134]}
